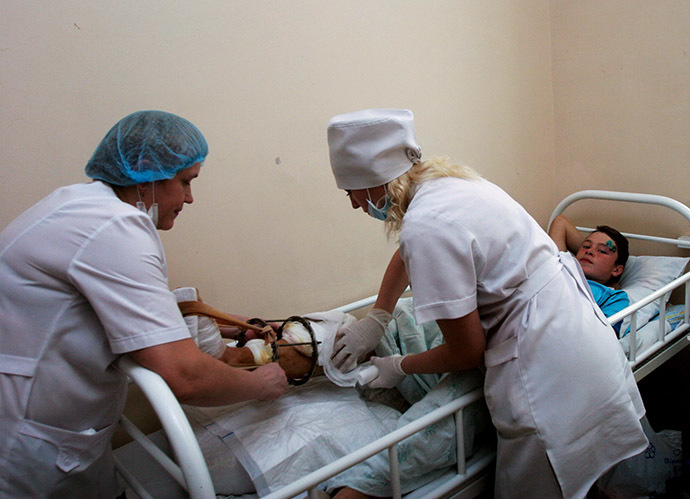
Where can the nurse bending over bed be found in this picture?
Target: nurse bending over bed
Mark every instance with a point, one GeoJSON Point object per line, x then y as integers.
{"type": "Point", "coordinates": [84, 281]}
{"type": "Point", "coordinates": [558, 386]}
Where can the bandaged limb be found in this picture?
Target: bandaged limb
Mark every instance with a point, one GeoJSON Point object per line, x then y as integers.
{"type": "Point", "coordinates": [202, 320]}
{"type": "Point", "coordinates": [204, 330]}
{"type": "Point", "coordinates": [354, 343]}
{"type": "Point", "coordinates": [300, 360]}
{"type": "Point", "coordinates": [295, 363]}
{"type": "Point", "coordinates": [257, 353]}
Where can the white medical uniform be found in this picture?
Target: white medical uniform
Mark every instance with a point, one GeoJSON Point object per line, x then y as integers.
{"type": "Point", "coordinates": [560, 391]}
{"type": "Point", "coordinates": [84, 280]}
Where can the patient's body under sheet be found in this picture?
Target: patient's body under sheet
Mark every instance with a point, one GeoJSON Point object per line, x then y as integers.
{"type": "Point", "coordinates": [311, 426]}
{"type": "Point", "coordinates": [317, 423]}
{"type": "Point", "coordinates": [425, 455]}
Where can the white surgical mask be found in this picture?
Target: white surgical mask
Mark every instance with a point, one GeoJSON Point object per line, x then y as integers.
{"type": "Point", "coordinates": [153, 210]}
{"type": "Point", "coordinates": [378, 213]}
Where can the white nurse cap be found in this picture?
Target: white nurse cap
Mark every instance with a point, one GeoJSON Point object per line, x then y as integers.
{"type": "Point", "coordinates": [372, 147]}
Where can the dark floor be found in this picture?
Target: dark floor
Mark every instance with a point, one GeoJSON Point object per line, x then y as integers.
{"type": "Point", "coordinates": [666, 394]}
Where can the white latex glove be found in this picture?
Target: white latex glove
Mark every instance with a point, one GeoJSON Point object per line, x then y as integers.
{"type": "Point", "coordinates": [354, 342]}
{"type": "Point", "coordinates": [390, 371]}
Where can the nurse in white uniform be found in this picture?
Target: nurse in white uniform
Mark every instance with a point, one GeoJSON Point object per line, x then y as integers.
{"type": "Point", "coordinates": [560, 391]}
{"type": "Point", "coordinates": [84, 281]}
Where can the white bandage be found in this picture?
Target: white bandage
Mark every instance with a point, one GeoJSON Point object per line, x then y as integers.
{"type": "Point", "coordinates": [210, 340]}
{"type": "Point", "coordinates": [295, 332]}
{"type": "Point", "coordinates": [367, 375]}
{"type": "Point", "coordinates": [263, 353]}
{"type": "Point", "coordinates": [192, 321]}
{"type": "Point", "coordinates": [203, 330]}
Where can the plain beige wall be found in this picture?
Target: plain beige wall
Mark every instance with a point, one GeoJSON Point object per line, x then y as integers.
{"type": "Point", "coordinates": [269, 235]}
{"type": "Point", "coordinates": [542, 97]}
{"type": "Point", "coordinates": [621, 84]}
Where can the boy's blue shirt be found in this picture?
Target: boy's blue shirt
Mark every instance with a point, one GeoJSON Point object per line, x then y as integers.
{"type": "Point", "coordinates": [609, 300]}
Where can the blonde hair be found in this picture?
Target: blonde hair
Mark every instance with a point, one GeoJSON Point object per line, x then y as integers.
{"type": "Point", "coordinates": [400, 189]}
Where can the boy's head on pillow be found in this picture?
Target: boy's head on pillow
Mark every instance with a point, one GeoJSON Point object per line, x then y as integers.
{"type": "Point", "coordinates": [603, 255]}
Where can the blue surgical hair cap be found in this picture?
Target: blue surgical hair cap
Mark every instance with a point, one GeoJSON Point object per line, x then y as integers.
{"type": "Point", "coordinates": [146, 146]}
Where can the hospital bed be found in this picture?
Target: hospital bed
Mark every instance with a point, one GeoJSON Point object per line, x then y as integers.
{"type": "Point", "coordinates": [656, 331]}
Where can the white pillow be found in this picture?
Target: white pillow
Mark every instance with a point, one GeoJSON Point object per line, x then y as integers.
{"type": "Point", "coordinates": [646, 274]}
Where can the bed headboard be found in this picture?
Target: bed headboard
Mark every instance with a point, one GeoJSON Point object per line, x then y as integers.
{"type": "Point", "coordinates": [632, 197]}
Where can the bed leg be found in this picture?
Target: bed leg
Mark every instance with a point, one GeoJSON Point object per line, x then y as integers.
{"type": "Point", "coordinates": [395, 471]}
{"type": "Point", "coordinates": [460, 443]}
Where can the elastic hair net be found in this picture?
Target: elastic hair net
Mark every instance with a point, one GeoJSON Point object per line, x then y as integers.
{"type": "Point", "coordinates": [147, 146]}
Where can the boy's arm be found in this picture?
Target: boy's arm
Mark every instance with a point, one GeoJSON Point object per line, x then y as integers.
{"type": "Point", "coordinates": [565, 234]}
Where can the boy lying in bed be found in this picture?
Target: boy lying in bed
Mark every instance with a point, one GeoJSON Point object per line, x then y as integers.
{"type": "Point", "coordinates": [602, 256]}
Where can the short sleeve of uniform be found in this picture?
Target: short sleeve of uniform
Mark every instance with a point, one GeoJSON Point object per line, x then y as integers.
{"type": "Point", "coordinates": [121, 271]}
{"type": "Point", "coordinates": [443, 260]}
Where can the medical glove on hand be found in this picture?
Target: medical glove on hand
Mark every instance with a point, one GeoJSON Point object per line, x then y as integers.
{"type": "Point", "coordinates": [390, 371]}
{"type": "Point", "coordinates": [354, 342]}
{"type": "Point", "coordinates": [272, 381]}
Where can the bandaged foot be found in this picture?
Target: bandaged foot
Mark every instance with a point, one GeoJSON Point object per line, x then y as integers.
{"type": "Point", "coordinates": [262, 351]}
{"type": "Point", "coordinates": [255, 353]}
{"type": "Point", "coordinates": [296, 361]}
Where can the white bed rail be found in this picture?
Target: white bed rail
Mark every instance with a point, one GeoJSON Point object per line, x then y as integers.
{"type": "Point", "coordinates": [465, 469]}
{"type": "Point", "coordinates": [192, 473]}
{"type": "Point", "coordinates": [665, 347]}
{"type": "Point", "coordinates": [364, 302]}
{"type": "Point", "coordinates": [632, 197]}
